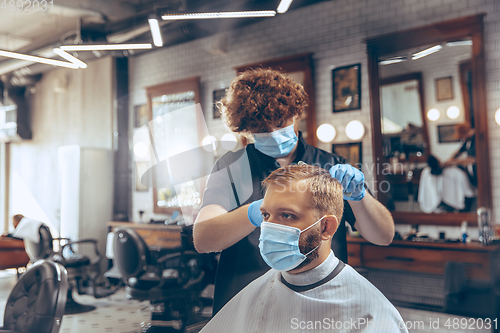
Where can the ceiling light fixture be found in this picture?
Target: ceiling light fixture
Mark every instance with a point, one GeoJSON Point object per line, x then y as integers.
{"type": "Point", "coordinates": [216, 15]}
{"type": "Point", "coordinates": [106, 47]}
{"type": "Point", "coordinates": [154, 26]}
{"type": "Point", "coordinates": [69, 57]}
{"type": "Point", "coordinates": [426, 52]}
{"type": "Point", "coordinates": [41, 60]}
{"type": "Point", "coordinates": [393, 60]}
{"type": "Point", "coordinates": [460, 43]}
{"type": "Point", "coordinates": [283, 6]}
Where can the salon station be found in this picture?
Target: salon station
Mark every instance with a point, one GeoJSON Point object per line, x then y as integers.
{"type": "Point", "coordinates": [139, 140]}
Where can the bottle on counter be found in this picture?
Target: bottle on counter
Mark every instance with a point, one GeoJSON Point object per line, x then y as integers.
{"type": "Point", "coordinates": [484, 225]}
{"type": "Point", "coordinates": [464, 232]}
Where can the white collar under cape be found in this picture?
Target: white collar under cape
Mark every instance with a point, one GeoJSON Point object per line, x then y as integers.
{"type": "Point", "coordinates": [313, 275]}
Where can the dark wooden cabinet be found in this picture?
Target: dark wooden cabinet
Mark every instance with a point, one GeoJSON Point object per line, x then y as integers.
{"type": "Point", "coordinates": [422, 257]}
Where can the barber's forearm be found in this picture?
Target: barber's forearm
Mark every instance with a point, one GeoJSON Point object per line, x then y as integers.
{"type": "Point", "coordinates": [220, 232]}
{"type": "Point", "coordinates": [373, 221]}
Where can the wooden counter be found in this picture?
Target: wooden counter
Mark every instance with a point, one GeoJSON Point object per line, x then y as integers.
{"type": "Point", "coordinates": [12, 253]}
{"type": "Point", "coordinates": [424, 257]}
{"type": "Point", "coordinates": [160, 235]}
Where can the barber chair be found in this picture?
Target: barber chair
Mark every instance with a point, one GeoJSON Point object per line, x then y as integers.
{"type": "Point", "coordinates": [82, 272]}
{"type": "Point", "coordinates": [36, 304]}
{"type": "Point", "coordinates": [172, 282]}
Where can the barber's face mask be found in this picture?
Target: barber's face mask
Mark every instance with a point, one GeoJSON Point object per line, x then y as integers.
{"type": "Point", "coordinates": [279, 245]}
{"type": "Point", "coordinates": [278, 143]}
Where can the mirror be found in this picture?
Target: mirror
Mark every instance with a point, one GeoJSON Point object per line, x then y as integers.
{"type": "Point", "coordinates": [163, 101]}
{"type": "Point", "coordinates": [425, 85]}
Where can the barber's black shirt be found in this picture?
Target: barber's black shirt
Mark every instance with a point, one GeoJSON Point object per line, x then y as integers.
{"type": "Point", "coordinates": [235, 181]}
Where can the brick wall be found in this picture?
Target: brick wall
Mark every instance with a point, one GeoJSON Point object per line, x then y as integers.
{"type": "Point", "coordinates": [333, 31]}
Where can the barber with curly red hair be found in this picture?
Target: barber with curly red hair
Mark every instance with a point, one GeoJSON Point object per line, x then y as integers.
{"type": "Point", "coordinates": [268, 105]}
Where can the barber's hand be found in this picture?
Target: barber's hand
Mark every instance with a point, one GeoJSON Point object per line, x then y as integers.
{"type": "Point", "coordinates": [254, 214]}
{"type": "Point", "coordinates": [351, 179]}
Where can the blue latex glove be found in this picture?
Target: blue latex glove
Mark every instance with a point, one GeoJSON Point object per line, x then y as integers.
{"type": "Point", "coordinates": [351, 179]}
{"type": "Point", "coordinates": [254, 214]}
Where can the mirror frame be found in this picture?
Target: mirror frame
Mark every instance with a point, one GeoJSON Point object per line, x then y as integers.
{"type": "Point", "coordinates": [466, 27]}
{"type": "Point", "coordinates": [175, 87]}
{"type": "Point", "coordinates": [295, 63]}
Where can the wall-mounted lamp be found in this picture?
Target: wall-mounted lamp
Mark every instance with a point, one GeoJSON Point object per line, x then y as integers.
{"type": "Point", "coordinates": [433, 114]}
{"type": "Point", "coordinates": [209, 143]}
{"type": "Point", "coordinates": [355, 130]}
{"type": "Point", "coordinates": [497, 116]}
{"type": "Point", "coordinates": [228, 141]}
{"type": "Point", "coordinates": [326, 133]}
{"type": "Point", "coordinates": [453, 112]}
{"type": "Point", "coordinates": [141, 149]}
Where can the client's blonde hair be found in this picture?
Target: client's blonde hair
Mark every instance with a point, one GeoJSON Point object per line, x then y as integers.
{"type": "Point", "coordinates": [326, 192]}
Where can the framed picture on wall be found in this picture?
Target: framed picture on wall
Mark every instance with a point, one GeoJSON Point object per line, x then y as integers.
{"type": "Point", "coordinates": [351, 151]}
{"type": "Point", "coordinates": [218, 95]}
{"type": "Point", "coordinates": [444, 88]}
{"type": "Point", "coordinates": [448, 133]}
{"type": "Point", "coordinates": [346, 83]}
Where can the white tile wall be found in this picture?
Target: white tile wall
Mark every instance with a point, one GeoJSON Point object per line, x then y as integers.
{"type": "Point", "coordinates": [333, 31]}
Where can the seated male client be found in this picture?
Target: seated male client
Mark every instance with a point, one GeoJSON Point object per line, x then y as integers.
{"type": "Point", "coordinates": [308, 289]}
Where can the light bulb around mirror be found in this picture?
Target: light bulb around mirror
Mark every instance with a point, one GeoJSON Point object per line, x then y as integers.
{"type": "Point", "coordinates": [433, 114]}
{"type": "Point", "coordinates": [355, 130]}
{"type": "Point", "coordinates": [141, 149]}
{"type": "Point", "coordinates": [209, 143]}
{"type": "Point", "coordinates": [497, 116]}
{"type": "Point", "coordinates": [326, 133]}
{"type": "Point", "coordinates": [453, 112]}
{"type": "Point", "coordinates": [228, 141]}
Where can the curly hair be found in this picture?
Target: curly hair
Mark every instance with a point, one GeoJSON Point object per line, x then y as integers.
{"type": "Point", "coordinates": [259, 100]}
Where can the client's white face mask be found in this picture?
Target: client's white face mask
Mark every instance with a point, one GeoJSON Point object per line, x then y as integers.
{"type": "Point", "coordinates": [279, 245]}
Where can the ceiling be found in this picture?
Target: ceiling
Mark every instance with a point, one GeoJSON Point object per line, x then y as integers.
{"type": "Point", "coordinates": [112, 21]}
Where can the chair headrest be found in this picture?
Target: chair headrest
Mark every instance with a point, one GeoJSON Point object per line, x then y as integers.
{"type": "Point", "coordinates": [131, 253]}
{"type": "Point", "coordinates": [37, 302]}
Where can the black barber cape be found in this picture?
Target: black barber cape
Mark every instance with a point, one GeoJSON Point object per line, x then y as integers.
{"type": "Point", "coordinates": [235, 181]}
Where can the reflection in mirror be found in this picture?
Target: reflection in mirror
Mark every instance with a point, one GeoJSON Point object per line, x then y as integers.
{"type": "Point", "coordinates": [432, 166]}
{"type": "Point", "coordinates": [168, 143]}
{"type": "Point", "coordinates": [402, 117]}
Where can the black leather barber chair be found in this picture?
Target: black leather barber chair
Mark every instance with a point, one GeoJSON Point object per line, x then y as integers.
{"type": "Point", "coordinates": [172, 282]}
{"type": "Point", "coordinates": [36, 304]}
{"type": "Point", "coordinates": [82, 272]}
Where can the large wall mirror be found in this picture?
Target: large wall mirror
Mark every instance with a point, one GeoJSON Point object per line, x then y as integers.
{"type": "Point", "coordinates": [427, 91]}
{"type": "Point", "coordinates": [165, 129]}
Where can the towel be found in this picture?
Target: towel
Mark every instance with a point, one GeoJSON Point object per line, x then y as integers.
{"type": "Point", "coordinates": [29, 229]}
{"type": "Point", "coordinates": [429, 191]}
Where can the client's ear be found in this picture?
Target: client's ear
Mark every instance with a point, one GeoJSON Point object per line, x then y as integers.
{"type": "Point", "coordinates": [330, 225]}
